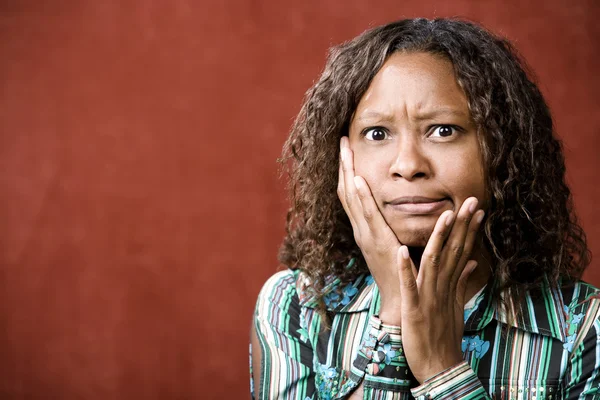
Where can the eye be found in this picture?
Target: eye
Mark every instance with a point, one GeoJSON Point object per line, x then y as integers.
{"type": "Point", "coordinates": [443, 131]}
{"type": "Point", "coordinates": [376, 134]}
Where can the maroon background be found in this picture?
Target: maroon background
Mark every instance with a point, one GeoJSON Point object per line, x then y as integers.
{"type": "Point", "coordinates": [140, 207]}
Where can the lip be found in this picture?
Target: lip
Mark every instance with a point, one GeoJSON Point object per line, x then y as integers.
{"type": "Point", "coordinates": [418, 205]}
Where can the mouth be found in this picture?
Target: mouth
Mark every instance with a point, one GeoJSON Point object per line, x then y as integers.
{"type": "Point", "coordinates": [418, 205]}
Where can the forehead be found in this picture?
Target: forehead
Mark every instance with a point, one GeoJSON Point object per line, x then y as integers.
{"type": "Point", "coordinates": [414, 82]}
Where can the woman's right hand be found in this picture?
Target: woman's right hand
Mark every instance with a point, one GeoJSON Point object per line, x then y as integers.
{"type": "Point", "coordinates": [378, 243]}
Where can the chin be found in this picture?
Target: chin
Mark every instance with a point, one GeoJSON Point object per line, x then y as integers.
{"type": "Point", "coordinates": [417, 237]}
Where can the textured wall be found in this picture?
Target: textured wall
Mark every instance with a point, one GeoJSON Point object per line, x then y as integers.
{"type": "Point", "coordinates": [140, 209]}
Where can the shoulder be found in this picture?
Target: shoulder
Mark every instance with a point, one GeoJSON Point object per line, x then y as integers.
{"type": "Point", "coordinates": [580, 296]}
{"type": "Point", "coordinates": [581, 311]}
{"type": "Point", "coordinates": [279, 291]}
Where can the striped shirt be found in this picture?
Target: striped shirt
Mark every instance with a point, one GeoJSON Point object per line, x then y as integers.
{"type": "Point", "coordinates": [552, 351]}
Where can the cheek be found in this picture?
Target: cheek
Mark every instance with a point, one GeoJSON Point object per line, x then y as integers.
{"type": "Point", "coordinates": [468, 179]}
{"type": "Point", "coordinates": [374, 172]}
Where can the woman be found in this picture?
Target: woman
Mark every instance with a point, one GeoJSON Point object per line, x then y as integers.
{"type": "Point", "coordinates": [432, 250]}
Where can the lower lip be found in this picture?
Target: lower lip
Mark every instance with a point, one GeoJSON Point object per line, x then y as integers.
{"type": "Point", "coordinates": [420, 208]}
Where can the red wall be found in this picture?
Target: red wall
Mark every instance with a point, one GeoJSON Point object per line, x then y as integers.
{"type": "Point", "coordinates": [140, 209]}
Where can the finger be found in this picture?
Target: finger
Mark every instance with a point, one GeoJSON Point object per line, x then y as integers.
{"type": "Point", "coordinates": [341, 191]}
{"type": "Point", "coordinates": [371, 213]}
{"type": "Point", "coordinates": [408, 283]}
{"type": "Point", "coordinates": [354, 208]}
{"type": "Point", "coordinates": [461, 287]}
{"type": "Point", "coordinates": [431, 258]}
{"type": "Point", "coordinates": [455, 245]}
{"type": "Point", "coordinates": [469, 244]}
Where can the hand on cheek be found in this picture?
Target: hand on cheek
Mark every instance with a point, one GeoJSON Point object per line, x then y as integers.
{"type": "Point", "coordinates": [372, 234]}
{"type": "Point", "coordinates": [433, 303]}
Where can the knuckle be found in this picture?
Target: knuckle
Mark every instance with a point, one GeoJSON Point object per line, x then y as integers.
{"type": "Point", "coordinates": [369, 214]}
{"type": "Point", "coordinates": [457, 251]}
{"type": "Point", "coordinates": [467, 221]}
{"type": "Point", "coordinates": [434, 259]}
{"type": "Point", "coordinates": [348, 197]}
{"type": "Point", "coordinates": [409, 283]}
{"type": "Point", "coordinates": [441, 233]}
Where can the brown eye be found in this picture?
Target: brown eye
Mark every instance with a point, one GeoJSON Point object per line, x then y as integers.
{"type": "Point", "coordinates": [376, 134]}
{"type": "Point", "coordinates": [443, 131]}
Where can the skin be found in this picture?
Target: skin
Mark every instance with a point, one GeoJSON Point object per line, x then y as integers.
{"type": "Point", "coordinates": [427, 149]}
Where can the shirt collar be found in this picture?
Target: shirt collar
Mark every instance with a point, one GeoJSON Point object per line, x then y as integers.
{"type": "Point", "coordinates": [541, 312]}
{"type": "Point", "coordinates": [354, 297]}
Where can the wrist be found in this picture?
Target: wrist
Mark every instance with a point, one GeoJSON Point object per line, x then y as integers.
{"type": "Point", "coordinates": [390, 311]}
{"type": "Point", "coordinates": [436, 370]}
{"type": "Point", "coordinates": [390, 317]}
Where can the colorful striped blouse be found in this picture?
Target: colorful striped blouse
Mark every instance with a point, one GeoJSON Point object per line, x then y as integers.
{"type": "Point", "coordinates": [552, 351]}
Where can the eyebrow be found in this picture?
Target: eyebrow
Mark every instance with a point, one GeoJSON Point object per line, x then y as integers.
{"type": "Point", "coordinates": [421, 116]}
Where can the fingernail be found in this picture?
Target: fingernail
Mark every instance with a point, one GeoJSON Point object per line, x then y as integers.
{"type": "Point", "coordinates": [343, 154]}
{"type": "Point", "coordinates": [473, 265]}
{"type": "Point", "coordinates": [404, 252]}
{"type": "Point", "coordinates": [473, 205]}
{"type": "Point", "coordinates": [449, 218]}
{"type": "Point", "coordinates": [480, 216]}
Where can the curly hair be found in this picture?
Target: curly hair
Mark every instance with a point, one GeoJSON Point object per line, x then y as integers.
{"type": "Point", "coordinates": [531, 228]}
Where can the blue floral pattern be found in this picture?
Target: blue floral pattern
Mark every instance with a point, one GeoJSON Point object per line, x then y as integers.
{"type": "Point", "coordinates": [384, 355]}
{"type": "Point", "coordinates": [348, 292]}
{"type": "Point", "coordinates": [475, 345]}
{"type": "Point", "coordinates": [573, 321]}
{"type": "Point", "coordinates": [330, 381]}
{"type": "Point", "coordinates": [333, 299]}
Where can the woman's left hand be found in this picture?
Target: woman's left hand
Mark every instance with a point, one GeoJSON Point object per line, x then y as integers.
{"type": "Point", "coordinates": [433, 302]}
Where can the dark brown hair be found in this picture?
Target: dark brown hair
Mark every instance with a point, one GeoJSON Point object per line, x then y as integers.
{"type": "Point", "coordinates": [530, 228]}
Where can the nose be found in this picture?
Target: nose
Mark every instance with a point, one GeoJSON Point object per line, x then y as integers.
{"type": "Point", "coordinates": [410, 161]}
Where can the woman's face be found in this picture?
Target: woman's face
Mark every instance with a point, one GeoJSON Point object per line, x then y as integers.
{"type": "Point", "coordinates": [415, 144]}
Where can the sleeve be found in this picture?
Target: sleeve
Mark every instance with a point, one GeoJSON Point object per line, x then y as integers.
{"type": "Point", "coordinates": [381, 364]}
{"type": "Point", "coordinates": [458, 382]}
{"type": "Point", "coordinates": [582, 377]}
{"type": "Point", "coordinates": [286, 365]}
